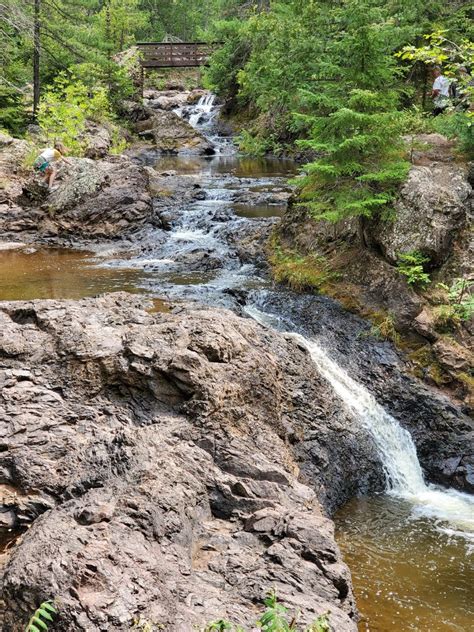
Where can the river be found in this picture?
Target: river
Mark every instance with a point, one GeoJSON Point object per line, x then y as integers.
{"type": "Point", "coordinates": [409, 549]}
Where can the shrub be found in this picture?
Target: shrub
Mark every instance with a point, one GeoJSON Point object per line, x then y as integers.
{"type": "Point", "coordinates": [274, 619]}
{"type": "Point", "coordinates": [410, 264]}
{"type": "Point", "coordinates": [301, 272]}
{"type": "Point", "coordinates": [65, 108]}
{"type": "Point", "coordinates": [459, 125]}
{"type": "Point", "coordinates": [460, 299]}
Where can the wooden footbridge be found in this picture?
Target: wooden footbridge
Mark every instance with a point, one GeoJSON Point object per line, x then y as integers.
{"type": "Point", "coordinates": [175, 54]}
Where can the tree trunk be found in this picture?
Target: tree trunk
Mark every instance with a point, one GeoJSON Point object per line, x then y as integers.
{"type": "Point", "coordinates": [108, 30]}
{"type": "Point", "coordinates": [361, 231]}
{"type": "Point", "coordinates": [36, 58]}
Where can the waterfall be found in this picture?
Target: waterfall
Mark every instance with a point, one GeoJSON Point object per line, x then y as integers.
{"type": "Point", "coordinates": [204, 106]}
{"type": "Point", "coordinates": [203, 116]}
{"type": "Point", "coordinates": [404, 477]}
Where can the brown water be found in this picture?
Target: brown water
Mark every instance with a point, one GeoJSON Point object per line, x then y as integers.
{"type": "Point", "coordinates": [239, 166]}
{"type": "Point", "coordinates": [407, 575]}
{"type": "Point", "coordinates": [60, 273]}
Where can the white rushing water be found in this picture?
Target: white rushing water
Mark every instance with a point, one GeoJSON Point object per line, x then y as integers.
{"type": "Point", "coordinates": [451, 510]}
{"type": "Point", "coordinates": [205, 105]}
{"type": "Point", "coordinates": [203, 116]}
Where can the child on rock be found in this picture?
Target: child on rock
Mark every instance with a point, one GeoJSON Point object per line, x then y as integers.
{"type": "Point", "coordinates": [45, 163]}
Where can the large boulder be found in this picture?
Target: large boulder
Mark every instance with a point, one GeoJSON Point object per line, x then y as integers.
{"type": "Point", "coordinates": [151, 453]}
{"type": "Point", "coordinates": [104, 198]}
{"type": "Point", "coordinates": [173, 135]}
{"type": "Point", "coordinates": [431, 208]}
{"type": "Point", "coordinates": [98, 140]}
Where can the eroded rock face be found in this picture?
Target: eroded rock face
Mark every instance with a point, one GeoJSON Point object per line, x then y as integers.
{"type": "Point", "coordinates": [158, 452]}
{"type": "Point", "coordinates": [443, 434]}
{"type": "Point", "coordinates": [172, 134]}
{"type": "Point", "coordinates": [429, 213]}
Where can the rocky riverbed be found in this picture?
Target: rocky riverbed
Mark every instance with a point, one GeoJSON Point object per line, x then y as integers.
{"type": "Point", "coordinates": [170, 462]}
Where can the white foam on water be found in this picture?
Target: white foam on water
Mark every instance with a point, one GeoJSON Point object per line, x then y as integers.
{"type": "Point", "coordinates": [448, 508]}
{"type": "Point", "coordinates": [134, 263]}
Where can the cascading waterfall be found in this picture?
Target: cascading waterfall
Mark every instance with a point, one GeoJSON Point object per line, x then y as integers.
{"type": "Point", "coordinates": [205, 105]}
{"type": "Point", "coordinates": [452, 510]}
{"type": "Point", "coordinates": [203, 116]}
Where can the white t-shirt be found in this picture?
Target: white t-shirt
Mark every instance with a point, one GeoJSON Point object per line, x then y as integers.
{"type": "Point", "coordinates": [50, 154]}
{"type": "Point", "coordinates": [442, 84]}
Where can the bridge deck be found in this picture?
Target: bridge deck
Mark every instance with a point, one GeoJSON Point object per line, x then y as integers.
{"type": "Point", "coordinates": [174, 55]}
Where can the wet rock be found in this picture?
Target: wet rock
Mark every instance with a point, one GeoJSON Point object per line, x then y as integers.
{"type": "Point", "coordinates": [424, 324]}
{"type": "Point", "coordinates": [441, 430]}
{"type": "Point", "coordinates": [176, 492]}
{"type": "Point", "coordinates": [93, 199]}
{"type": "Point", "coordinates": [452, 356]}
{"type": "Point", "coordinates": [172, 134]}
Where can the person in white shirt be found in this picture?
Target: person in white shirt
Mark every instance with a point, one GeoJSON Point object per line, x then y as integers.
{"type": "Point", "coordinates": [45, 163]}
{"type": "Point", "coordinates": [440, 92]}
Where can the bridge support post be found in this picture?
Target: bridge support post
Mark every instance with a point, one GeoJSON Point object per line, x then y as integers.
{"type": "Point", "coordinates": [142, 81]}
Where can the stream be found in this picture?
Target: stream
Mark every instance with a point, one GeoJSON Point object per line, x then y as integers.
{"type": "Point", "coordinates": [410, 550]}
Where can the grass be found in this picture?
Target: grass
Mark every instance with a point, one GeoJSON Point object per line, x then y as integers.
{"type": "Point", "coordinates": [300, 272]}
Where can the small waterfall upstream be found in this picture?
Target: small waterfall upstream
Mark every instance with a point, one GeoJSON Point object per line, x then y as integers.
{"type": "Point", "coordinates": [452, 511]}
{"type": "Point", "coordinates": [203, 116]}
{"type": "Point", "coordinates": [203, 108]}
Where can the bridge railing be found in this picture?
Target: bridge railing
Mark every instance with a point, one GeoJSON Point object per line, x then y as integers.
{"type": "Point", "coordinates": [175, 55]}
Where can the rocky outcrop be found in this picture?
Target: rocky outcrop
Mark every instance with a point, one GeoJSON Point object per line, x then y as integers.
{"type": "Point", "coordinates": [98, 140]}
{"type": "Point", "coordinates": [155, 456]}
{"type": "Point", "coordinates": [431, 208]}
{"type": "Point", "coordinates": [93, 199]}
{"type": "Point", "coordinates": [172, 134]}
{"type": "Point", "coordinates": [171, 99]}
{"type": "Point", "coordinates": [443, 433]}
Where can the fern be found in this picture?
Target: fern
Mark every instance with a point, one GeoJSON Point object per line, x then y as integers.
{"type": "Point", "coordinates": [42, 617]}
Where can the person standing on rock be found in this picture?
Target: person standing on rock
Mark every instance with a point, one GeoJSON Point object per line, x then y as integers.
{"type": "Point", "coordinates": [45, 163]}
{"type": "Point", "coordinates": [440, 92]}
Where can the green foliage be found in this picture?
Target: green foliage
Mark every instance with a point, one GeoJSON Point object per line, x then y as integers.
{"type": "Point", "coordinates": [454, 58]}
{"type": "Point", "coordinates": [114, 79]}
{"type": "Point", "coordinates": [273, 619]}
{"type": "Point", "coordinates": [361, 164]}
{"type": "Point", "coordinates": [321, 624]}
{"type": "Point", "coordinates": [221, 626]}
{"type": "Point", "coordinates": [309, 272]}
{"type": "Point", "coordinates": [410, 264]}
{"type": "Point", "coordinates": [66, 107]}
{"type": "Point", "coordinates": [119, 143]}
{"type": "Point", "coordinates": [383, 327]}
{"type": "Point", "coordinates": [12, 114]}
{"type": "Point", "coordinates": [252, 145]}
{"type": "Point", "coordinates": [42, 617]}
{"type": "Point", "coordinates": [460, 300]}
{"type": "Point", "coordinates": [459, 125]}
